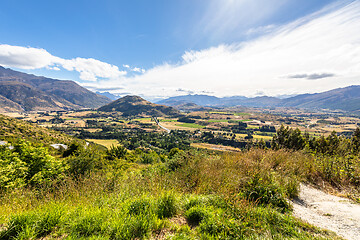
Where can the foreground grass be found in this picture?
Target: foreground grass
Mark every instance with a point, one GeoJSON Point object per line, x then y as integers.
{"type": "Point", "coordinates": [190, 196]}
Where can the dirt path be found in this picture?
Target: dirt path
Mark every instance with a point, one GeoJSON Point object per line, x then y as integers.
{"type": "Point", "coordinates": [337, 214]}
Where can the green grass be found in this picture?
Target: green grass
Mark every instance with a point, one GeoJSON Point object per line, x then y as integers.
{"type": "Point", "coordinates": [217, 120]}
{"type": "Point", "coordinates": [167, 120]}
{"type": "Point", "coordinates": [105, 142]}
{"type": "Point", "coordinates": [12, 129]}
{"type": "Point", "coordinates": [190, 125]}
{"type": "Point", "coordinates": [190, 196]}
{"type": "Point", "coordinates": [228, 120]}
{"type": "Point", "coordinates": [241, 114]}
{"type": "Point", "coordinates": [142, 119]}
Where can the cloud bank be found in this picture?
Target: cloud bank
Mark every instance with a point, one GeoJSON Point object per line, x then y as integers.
{"type": "Point", "coordinates": [323, 47]}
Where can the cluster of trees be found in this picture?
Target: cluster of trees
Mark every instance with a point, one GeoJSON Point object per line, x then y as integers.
{"type": "Point", "coordinates": [267, 128]}
{"type": "Point", "coordinates": [136, 138]}
{"type": "Point", "coordinates": [186, 119]}
{"type": "Point", "coordinates": [331, 145]}
{"type": "Point", "coordinates": [240, 128]}
{"type": "Point", "coordinates": [210, 137]}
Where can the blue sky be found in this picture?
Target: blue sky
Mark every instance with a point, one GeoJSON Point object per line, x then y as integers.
{"type": "Point", "coordinates": [165, 48]}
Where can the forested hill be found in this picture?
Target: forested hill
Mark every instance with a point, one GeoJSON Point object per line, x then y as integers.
{"type": "Point", "coordinates": [26, 92]}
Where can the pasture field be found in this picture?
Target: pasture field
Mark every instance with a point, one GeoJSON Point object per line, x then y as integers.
{"type": "Point", "coordinates": [108, 143]}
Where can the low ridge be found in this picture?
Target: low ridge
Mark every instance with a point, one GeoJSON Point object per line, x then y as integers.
{"type": "Point", "coordinates": [135, 105]}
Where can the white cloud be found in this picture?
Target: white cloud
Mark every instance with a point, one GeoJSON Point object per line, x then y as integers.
{"type": "Point", "coordinates": [33, 58]}
{"type": "Point", "coordinates": [139, 70]}
{"type": "Point", "coordinates": [232, 17]}
{"type": "Point", "coordinates": [325, 42]}
{"type": "Point", "coordinates": [261, 29]}
{"type": "Point", "coordinates": [91, 69]}
{"type": "Point", "coordinates": [25, 57]}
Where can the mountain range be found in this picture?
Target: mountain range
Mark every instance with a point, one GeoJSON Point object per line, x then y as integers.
{"type": "Point", "coordinates": [26, 92]}
{"type": "Point", "coordinates": [346, 99]}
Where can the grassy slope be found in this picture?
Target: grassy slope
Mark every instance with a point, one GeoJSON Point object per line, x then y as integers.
{"type": "Point", "coordinates": [192, 196]}
{"type": "Point", "coordinates": [12, 129]}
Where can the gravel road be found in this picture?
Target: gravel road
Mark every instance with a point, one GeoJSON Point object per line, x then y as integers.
{"type": "Point", "coordinates": [337, 214]}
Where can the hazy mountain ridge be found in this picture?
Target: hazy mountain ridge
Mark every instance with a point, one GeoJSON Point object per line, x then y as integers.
{"type": "Point", "coordinates": [135, 105]}
{"type": "Point", "coordinates": [346, 99]}
{"type": "Point", "coordinates": [21, 91]}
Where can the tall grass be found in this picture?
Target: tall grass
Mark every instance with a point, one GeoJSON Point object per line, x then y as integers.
{"type": "Point", "coordinates": [194, 195]}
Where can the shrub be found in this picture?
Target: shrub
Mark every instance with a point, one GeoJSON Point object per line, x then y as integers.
{"type": "Point", "coordinates": [266, 192]}
{"type": "Point", "coordinates": [28, 165]}
{"type": "Point", "coordinates": [116, 152]}
{"type": "Point", "coordinates": [166, 206]}
{"type": "Point", "coordinates": [195, 215]}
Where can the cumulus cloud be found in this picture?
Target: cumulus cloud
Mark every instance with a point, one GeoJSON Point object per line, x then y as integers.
{"type": "Point", "coordinates": [91, 69]}
{"type": "Point", "coordinates": [139, 70]}
{"type": "Point", "coordinates": [33, 58]}
{"type": "Point", "coordinates": [25, 57]}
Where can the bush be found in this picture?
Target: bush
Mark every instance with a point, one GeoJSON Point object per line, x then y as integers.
{"type": "Point", "coordinates": [266, 192]}
{"type": "Point", "coordinates": [166, 206]}
{"type": "Point", "coordinates": [83, 162]}
{"type": "Point", "coordinates": [28, 165]}
{"type": "Point", "coordinates": [195, 215]}
{"type": "Point", "coordinates": [116, 152]}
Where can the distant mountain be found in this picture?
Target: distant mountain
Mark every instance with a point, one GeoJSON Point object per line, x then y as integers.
{"type": "Point", "coordinates": [186, 106]}
{"type": "Point", "coordinates": [111, 96]}
{"type": "Point", "coordinates": [346, 99]}
{"type": "Point", "coordinates": [135, 105]}
{"type": "Point", "coordinates": [27, 92]}
{"type": "Point", "coordinates": [211, 101]}
{"type": "Point", "coordinates": [202, 100]}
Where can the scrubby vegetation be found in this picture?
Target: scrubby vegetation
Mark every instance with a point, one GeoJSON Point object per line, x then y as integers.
{"type": "Point", "coordinates": [12, 129]}
{"type": "Point", "coordinates": [165, 192]}
{"type": "Point", "coordinates": [188, 195]}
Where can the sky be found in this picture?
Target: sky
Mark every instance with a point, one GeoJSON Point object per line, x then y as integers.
{"type": "Point", "coordinates": [160, 48]}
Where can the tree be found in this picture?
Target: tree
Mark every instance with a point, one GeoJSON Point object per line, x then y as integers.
{"type": "Point", "coordinates": [355, 141]}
